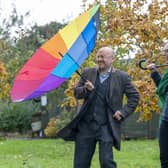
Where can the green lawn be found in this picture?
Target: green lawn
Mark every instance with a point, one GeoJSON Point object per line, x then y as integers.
{"type": "Point", "coordinates": [59, 154]}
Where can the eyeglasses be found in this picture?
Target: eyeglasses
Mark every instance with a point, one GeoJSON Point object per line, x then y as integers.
{"type": "Point", "coordinates": [103, 57]}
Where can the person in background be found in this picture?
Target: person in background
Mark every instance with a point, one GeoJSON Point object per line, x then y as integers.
{"type": "Point", "coordinates": [162, 92]}
{"type": "Point", "coordinates": [100, 117]}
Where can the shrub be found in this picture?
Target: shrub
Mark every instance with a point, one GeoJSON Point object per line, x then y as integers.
{"type": "Point", "coordinates": [56, 123]}
{"type": "Point", "coordinates": [52, 127]}
{"type": "Point", "coordinates": [16, 116]}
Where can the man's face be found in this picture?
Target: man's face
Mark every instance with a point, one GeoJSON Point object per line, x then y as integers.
{"type": "Point", "coordinates": [104, 58]}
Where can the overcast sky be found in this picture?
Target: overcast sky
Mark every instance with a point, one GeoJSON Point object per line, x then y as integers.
{"type": "Point", "coordinates": [43, 11]}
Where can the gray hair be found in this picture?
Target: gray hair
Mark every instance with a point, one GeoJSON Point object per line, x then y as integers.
{"type": "Point", "coordinates": [109, 48]}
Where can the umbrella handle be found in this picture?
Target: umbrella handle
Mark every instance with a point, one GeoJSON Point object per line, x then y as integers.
{"type": "Point", "coordinates": [144, 68]}
{"type": "Point", "coordinates": [81, 75]}
{"type": "Point", "coordinates": [163, 65]}
{"type": "Point", "coordinates": [140, 64]}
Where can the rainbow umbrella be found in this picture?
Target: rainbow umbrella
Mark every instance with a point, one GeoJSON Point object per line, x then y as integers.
{"type": "Point", "coordinates": [57, 59]}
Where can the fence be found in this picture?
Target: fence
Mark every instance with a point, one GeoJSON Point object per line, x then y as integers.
{"type": "Point", "coordinates": [131, 128]}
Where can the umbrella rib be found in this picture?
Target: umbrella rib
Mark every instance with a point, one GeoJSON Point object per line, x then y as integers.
{"type": "Point", "coordinates": [75, 63]}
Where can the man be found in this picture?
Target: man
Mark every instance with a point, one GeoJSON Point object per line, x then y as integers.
{"type": "Point", "coordinates": [101, 115]}
{"type": "Point", "coordinates": [162, 92]}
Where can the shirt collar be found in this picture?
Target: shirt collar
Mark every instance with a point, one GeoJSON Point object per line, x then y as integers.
{"type": "Point", "coordinates": [109, 71]}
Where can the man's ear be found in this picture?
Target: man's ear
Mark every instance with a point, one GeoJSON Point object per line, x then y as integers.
{"type": "Point", "coordinates": [113, 59]}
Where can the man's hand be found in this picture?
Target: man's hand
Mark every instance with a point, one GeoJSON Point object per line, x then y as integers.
{"type": "Point", "coordinates": [151, 66]}
{"type": "Point", "coordinates": [89, 85]}
{"type": "Point", "coordinates": [118, 115]}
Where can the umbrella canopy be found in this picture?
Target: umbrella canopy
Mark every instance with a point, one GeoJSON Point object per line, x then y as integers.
{"type": "Point", "coordinates": [47, 69]}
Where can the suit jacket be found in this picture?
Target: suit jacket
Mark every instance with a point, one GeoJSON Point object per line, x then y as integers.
{"type": "Point", "coordinates": [120, 85]}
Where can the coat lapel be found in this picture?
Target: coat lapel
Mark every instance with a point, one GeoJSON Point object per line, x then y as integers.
{"type": "Point", "coordinates": [111, 85]}
{"type": "Point", "coordinates": [94, 75]}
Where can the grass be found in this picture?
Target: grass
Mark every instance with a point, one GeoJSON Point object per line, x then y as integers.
{"type": "Point", "coordinates": [59, 154]}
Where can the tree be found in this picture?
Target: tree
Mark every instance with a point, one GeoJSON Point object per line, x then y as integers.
{"type": "Point", "coordinates": [14, 53]}
{"type": "Point", "coordinates": [136, 29]}
{"type": "Point", "coordinates": [4, 85]}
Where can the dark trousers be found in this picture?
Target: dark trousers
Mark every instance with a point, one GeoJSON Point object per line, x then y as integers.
{"type": "Point", "coordinates": [163, 144]}
{"type": "Point", "coordinates": [85, 148]}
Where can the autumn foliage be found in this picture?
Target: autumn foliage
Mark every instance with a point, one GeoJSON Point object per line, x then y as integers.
{"type": "Point", "coordinates": [4, 84]}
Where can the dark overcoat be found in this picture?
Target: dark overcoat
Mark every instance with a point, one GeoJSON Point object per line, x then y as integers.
{"type": "Point", "coordinates": [120, 85]}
